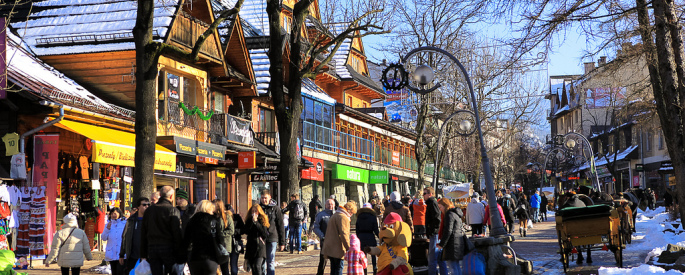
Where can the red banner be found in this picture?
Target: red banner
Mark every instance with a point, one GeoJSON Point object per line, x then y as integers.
{"type": "Point", "coordinates": [396, 158]}
{"type": "Point", "coordinates": [45, 162]}
{"type": "Point", "coordinates": [246, 160]}
{"type": "Point", "coordinates": [313, 173]}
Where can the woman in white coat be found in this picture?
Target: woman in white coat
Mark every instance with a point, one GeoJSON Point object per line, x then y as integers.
{"type": "Point", "coordinates": [475, 215]}
{"type": "Point", "coordinates": [69, 245]}
{"type": "Point", "coordinates": [112, 235]}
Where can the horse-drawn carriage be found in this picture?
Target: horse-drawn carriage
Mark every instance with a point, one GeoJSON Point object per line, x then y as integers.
{"type": "Point", "coordinates": [595, 227]}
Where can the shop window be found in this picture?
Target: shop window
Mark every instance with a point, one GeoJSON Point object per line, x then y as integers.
{"type": "Point", "coordinates": [172, 89]}
{"type": "Point", "coordinates": [221, 188]}
{"type": "Point", "coordinates": [201, 187]}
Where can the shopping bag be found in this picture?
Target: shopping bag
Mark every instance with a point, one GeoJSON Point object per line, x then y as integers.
{"type": "Point", "coordinates": [142, 268]}
{"type": "Point", "coordinates": [473, 263]}
{"type": "Point", "coordinates": [530, 224]}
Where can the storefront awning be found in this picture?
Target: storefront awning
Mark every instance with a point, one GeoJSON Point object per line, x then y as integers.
{"type": "Point", "coordinates": [117, 147]}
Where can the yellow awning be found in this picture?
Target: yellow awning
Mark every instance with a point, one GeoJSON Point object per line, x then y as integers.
{"type": "Point", "coordinates": [118, 147]}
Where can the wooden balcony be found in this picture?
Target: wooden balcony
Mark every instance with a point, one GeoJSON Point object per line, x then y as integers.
{"type": "Point", "coordinates": [186, 31]}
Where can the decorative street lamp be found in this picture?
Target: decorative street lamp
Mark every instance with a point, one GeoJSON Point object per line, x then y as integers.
{"type": "Point", "coordinates": [395, 77]}
{"type": "Point", "coordinates": [561, 147]}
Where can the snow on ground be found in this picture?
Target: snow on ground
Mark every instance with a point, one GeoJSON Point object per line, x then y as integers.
{"type": "Point", "coordinates": [650, 238]}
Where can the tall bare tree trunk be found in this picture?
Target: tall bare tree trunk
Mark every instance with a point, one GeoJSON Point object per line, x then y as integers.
{"type": "Point", "coordinates": [665, 64]}
{"type": "Point", "coordinates": [146, 122]}
{"type": "Point", "coordinates": [420, 148]}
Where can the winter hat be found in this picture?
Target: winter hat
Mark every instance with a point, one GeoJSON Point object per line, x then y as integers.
{"type": "Point", "coordinates": [180, 193]}
{"type": "Point", "coordinates": [355, 245]}
{"type": "Point", "coordinates": [367, 205]}
{"type": "Point", "coordinates": [395, 196]}
{"type": "Point", "coordinates": [70, 220]}
{"type": "Point", "coordinates": [392, 218]}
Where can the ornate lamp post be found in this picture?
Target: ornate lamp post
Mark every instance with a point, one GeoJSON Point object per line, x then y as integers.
{"type": "Point", "coordinates": [565, 143]}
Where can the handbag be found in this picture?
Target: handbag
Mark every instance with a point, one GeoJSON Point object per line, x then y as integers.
{"type": "Point", "coordinates": [222, 253]}
{"type": "Point", "coordinates": [59, 250]}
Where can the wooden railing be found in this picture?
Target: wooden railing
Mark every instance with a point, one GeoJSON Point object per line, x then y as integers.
{"type": "Point", "coordinates": [186, 31]}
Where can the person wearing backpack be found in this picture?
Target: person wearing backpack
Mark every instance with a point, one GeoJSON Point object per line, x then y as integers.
{"type": "Point", "coordinates": [297, 213]}
{"type": "Point", "coordinates": [69, 246]}
{"type": "Point", "coordinates": [508, 206]}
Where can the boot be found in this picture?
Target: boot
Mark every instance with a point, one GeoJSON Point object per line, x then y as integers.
{"type": "Point", "coordinates": [521, 231]}
{"type": "Point", "coordinates": [525, 230]}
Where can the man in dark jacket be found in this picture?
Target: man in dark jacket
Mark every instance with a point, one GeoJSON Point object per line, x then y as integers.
{"type": "Point", "coordinates": [131, 238]}
{"type": "Point", "coordinates": [161, 235]}
{"type": "Point", "coordinates": [297, 216]}
{"type": "Point", "coordinates": [543, 207]}
{"type": "Point", "coordinates": [314, 208]}
{"type": "Point", "coordinates": [508, 205]}
{"type": "Point", "coordinates": [432, 227]}
{"type": "Point", "coordinates": [319, 227]}
{"type": "Point", "coordinates": [276, 230]}
{"type": "Point", "coordinates": [187, 210]}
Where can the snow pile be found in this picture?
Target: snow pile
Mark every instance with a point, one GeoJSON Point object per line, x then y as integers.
{"type": "Point", "coordinates": [650, 235]}
{"type": "Point", "coordinates": [640, 270]}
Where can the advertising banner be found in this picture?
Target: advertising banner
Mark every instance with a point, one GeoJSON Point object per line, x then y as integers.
{"type": "Point", "coordinates": [45, 164]}
{"type": "Point", "coordinates": [313, 173]}
{"type": "Point", "coordinates": [549, 192]}
{"type": "Point", "coordinates": [239, 130]}
{"type": "Point", "coordinates": [396, 158]}
{"type": "Point", "coordinates": [343, 172]}
{"type": "Point", "coordinates": [458, 191]}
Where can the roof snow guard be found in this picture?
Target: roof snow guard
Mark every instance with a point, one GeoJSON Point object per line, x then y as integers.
{"type": "Point", "coordinates": [31, 74]}
{"type": "Point", "coordinates": [86, 26]}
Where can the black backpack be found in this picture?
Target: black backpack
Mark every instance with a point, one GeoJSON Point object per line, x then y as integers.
{"type": "Point", "coordinates": [297, 212]}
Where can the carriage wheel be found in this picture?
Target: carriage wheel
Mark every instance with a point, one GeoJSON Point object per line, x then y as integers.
{"type": "Point", "coordinates": [563, 253]}
{"type": "Point", "coordinates": [618, 252]}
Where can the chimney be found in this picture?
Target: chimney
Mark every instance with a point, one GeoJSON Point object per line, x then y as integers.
{"type": "Point", "coordinates": [589, 66]}
{"type": "Point", "coordinates": [602, 61]}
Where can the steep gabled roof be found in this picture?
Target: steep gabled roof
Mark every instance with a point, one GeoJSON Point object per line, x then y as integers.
{"type": "Point", "coordinates": [85, 26]}
{"type": "Point", "coordinates": [34, 76]}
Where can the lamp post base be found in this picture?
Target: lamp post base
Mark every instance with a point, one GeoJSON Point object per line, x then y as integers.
{"type": "Point", "coordinates": [493, 248]}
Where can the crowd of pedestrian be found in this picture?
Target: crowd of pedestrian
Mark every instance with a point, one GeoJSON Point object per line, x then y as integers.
{"type": "Point", "coordinates": [208, 237]}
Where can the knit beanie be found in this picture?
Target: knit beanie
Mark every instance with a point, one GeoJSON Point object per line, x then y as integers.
{"type": "Point", "coordinates": [180, 193]}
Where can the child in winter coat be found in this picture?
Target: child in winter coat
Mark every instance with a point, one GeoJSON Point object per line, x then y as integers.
{"type": "Point", "coordinates": [355, 257]}
{"type": "Point", "coordinates": [69, 245]}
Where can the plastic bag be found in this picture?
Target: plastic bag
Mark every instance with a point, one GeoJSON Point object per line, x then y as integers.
{"type": "Point", "coordinates": [473, 263]}
{"type": "Point", "coordinates": [530, 224]}
{"type": "Point", "coordinates": [142, 268]}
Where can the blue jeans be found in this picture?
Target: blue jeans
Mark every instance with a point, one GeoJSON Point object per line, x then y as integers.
{"type": "Point", "coordinates": [432, 256]}
{"type": "Point", "coordinates": [452, 267]}
{"type": "Point", "coordinates": [442, 264]}
{"type": "Point", "coordinates": [234, 263]}
{"type": "Point", "coordinates": [295, 236]}
{"type": "Point", "coordinates": [536, 214]}
{"type": "Point", "coordinates": [268, 265]}
{"type": "Point", "coordinates": [337, 266]}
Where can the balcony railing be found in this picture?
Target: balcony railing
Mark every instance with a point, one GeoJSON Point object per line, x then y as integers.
{"type": "Point", "coordinates": [215, 127]}
{"type": "Point", "coordinates": [178, 117]}
{"type": "Point", "coordinates": [270, 139]}
{"type": "Point", "coordinates": [330, 140]}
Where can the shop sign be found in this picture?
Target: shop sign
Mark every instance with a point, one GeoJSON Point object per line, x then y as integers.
{"type": "Point", "coordinates": [186, 146]}
{"type": "Point", "coordinates": [231, 161]}
{"type": "Point", "coordinates": [636, 181]}
{"type": "Point", "coordinates": [206, 160]}
{"type": "Point", "coordinates": [264, 177]}
{"type": "Point", "coordinates": [343, 172]}
{"type": "Point", "coordinates": [239, 130]}
{"type": "Point", "coordinates": [45, 160]}
{"type": "Point", "coordinates": [396, 158]}
{"type": "Point", "coordinates": [185, 166]}
{"type": "Point", "coordinates": [116, 154]}
{"type": "Point", "coordinates": [378, 177]}
{"type": "Point", "coordinates": [313, 173]}
{"type": "Point", "coordinates": [246, 160]}
{"type": "Point", "coordinates": [220, 175]}
{"type": "Point", "coordinates": [209, 150]}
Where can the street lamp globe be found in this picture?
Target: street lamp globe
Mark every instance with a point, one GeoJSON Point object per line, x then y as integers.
{"type": "Point", "coordinates": [570, 143]}
{"type": "Point", "coordinates": [465, 125]}
{"type": "Point", "coordinates": [424, 74]}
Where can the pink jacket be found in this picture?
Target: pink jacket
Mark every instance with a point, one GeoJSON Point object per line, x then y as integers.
{"type": "Point", "coordinates": [501, 213]}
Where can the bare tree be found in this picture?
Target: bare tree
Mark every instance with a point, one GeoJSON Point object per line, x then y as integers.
{"type": "Point", "coordinates": [612, 22]}
{"type": "Point", "coordinates": [307, 57]}
{"type": "Point", "coordinates": [148, 52]}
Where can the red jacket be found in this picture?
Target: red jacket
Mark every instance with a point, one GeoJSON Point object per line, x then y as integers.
{"type": "Point", "coordinates": [501, 213]}
{"type": "Point", "coordinates": [418, 208]}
